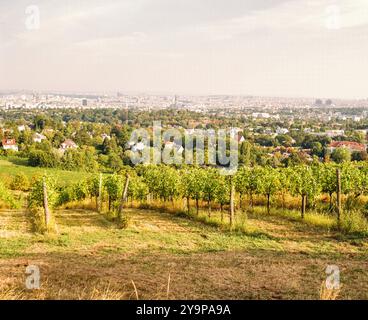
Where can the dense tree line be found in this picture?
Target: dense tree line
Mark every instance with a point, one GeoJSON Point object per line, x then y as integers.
{"type": "Point", "coordinates": [88, 129]}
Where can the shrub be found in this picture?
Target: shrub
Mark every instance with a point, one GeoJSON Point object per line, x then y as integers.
{"type": "Point", "coordinates": [40, 158]}
{"type": "Point", "coordinates": [7, 197]}
{"type": "Point", "coordinates": [20, 182]}
{"type": "Point", "coordinates": [65, 196]}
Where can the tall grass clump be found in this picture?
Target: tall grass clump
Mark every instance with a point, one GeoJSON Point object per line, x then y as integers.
{"type": "Point", "coordinates": [311, 218]}
{"type": "Point", "coordinates": [354, 222]}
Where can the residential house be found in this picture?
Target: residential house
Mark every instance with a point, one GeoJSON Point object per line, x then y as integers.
{"type": "Point", "coordinates": [351, 146]}
{"type": "Point", "coordinates": [172, 145]}
{"type": "Point", "coordinates": [68, 144]}
{"type": "Point", "coordinates": [22, 128]}
{"type": "Point", "coordinates": [240, 138]}
{"type": "Point", "coordinates": [38, 137]}
{"type": "Point", "coordinates": [105, 136]}
{"type": "Point", "coordinates": [282, 131]}
{"type": "Point", "coordinates": [261, 115]}
{"type": "Point", "coordinates": [9, 144]}
{"type": "Point", "coordinates": [334, 133]}
{"type": "Point", "coordinates": [140, 146]}
{"type": "Point", "coordinates": [234, 132]}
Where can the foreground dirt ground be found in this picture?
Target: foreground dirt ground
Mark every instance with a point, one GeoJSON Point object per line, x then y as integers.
{"type": "Point", "coordinates": [160, 256]}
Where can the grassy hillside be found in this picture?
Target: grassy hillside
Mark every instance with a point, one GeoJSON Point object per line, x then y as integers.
{"type": "Point", "coordinates": [160, 255]}
{"type": "Point", "coordinates": [11, 166]}
{"type": "Point", "coordinates": [91, 258]}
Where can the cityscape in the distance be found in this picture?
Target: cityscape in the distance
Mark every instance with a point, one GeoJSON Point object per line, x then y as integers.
{"type": "Point", "coordinates": [201, 151]}
{"type": "Point", "coordinates": [220, 105]}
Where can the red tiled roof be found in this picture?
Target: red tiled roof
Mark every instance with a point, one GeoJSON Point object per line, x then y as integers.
{"type": "Point", "coordinates": [8, 142]}
{"type": "Point", "coordinates": [240, 137]}
{"type": "Point", "coordinates": [348, 144]}
{"type": "Point", "coordinates": [69, 142]}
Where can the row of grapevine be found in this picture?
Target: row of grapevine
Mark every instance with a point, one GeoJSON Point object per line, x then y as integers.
{"type": "Point", "coordinates": [305, 182]}
{"type": "Point", "coordinates": [198, 185]}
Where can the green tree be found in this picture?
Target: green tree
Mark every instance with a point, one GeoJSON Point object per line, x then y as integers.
{"type": "Point", "coordinates": [138, 189]}
{"type": "Point", "coordinates": [113, 184]}
{"type": "Point", "coordinates": [168, 183]}
{"type": "Point", "coordinates": [340, 155]}
{"type": "Point", "coordinates": [40, 158]}
{"type": "Point", "coordinates": [193, 183]}
{"type": "Point", "coordinates": [268, 183]}
{"type": "Point", "coordinates": [284, 175]}
{"type": "Point", "coordinates": [222, 192]}
{"type": "Point", "coordinates": [247, 181]}
{"type": "Point", "coordinates": [210, 185]}
{"type": "Point", "coordinates": [93, 184]}
{"type": "Point", "coordinates": [305, 184]}
{"type": "Point", "coordinates": [328, 181]}
{"type": "Point", "coordinates": [36, 195]}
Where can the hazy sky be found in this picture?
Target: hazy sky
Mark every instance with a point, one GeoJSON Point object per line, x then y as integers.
{"type": "Point", "coordinates": [315, 48]}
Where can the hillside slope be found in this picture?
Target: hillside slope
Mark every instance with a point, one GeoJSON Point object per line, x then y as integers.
{"type": "Point", "coordinates": [91, 258]}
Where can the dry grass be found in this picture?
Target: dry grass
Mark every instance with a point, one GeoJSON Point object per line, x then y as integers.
{"type": "Point", "coordinates": [11, 294]}
{"type": "Point", "coordinates": [328, 294]}
{"type": "Point", "coordinates": [86, 204]}
{"type": "Point", "coordinates": [163, 256]}
{"type": "Point", "coordinates": [94, 293]}
{"type": "Point", "coordinates": [104, 293]}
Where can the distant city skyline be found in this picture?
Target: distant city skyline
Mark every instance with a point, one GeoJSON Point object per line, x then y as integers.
{"type": "Point", "coordinates": [168, 94]}
{"type": "Point", "coordinates": [278, 48]}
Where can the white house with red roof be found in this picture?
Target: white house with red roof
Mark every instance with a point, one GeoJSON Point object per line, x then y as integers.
{"type": "Point", "coordinates": [9, 144]}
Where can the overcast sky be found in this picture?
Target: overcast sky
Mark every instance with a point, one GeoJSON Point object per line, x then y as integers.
{"type": "Point", "coordinates": [314, 48]}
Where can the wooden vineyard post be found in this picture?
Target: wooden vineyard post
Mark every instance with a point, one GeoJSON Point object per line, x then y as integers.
{"type": "Point", "coordinates": [99, 205]}
{"type": "Point", "coordinates": [338, 198]}
{"type": "Point", "coordinates": [46, 204]}
{"type": "Point", "coordinates": [304, 204]}
{"type": "Point", "coordinates": [232, 209]}
{"type": "Point", "coordinates": [209, 208]}
{"type": "Point", "coordinates": [124, 197]}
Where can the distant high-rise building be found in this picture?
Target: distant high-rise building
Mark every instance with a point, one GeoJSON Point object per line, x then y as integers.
{"type": "Point", "coordinates": [318, 102]}
{"type": "Point", "coordinates": [84, 102]}
{"type": "Point", "coordinates": [174, 102]}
